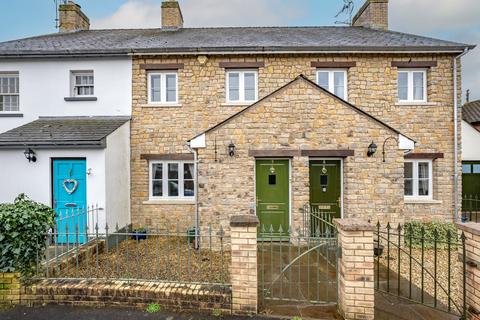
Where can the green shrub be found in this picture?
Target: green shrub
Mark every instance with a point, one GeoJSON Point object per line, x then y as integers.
{"type": "Point", "coordinates": [217, 313]}
{"type": "Point", "coordinates": [23, 228]}
{"type": "Point", "coordinates": [414, 230]}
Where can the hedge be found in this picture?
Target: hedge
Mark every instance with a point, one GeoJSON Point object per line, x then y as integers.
{"type": "Point", "coordinates": [23, 228]}
{"type": "Point", "coordinates": [414, 229]}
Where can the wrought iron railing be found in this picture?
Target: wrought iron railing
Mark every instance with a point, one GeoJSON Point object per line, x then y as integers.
{"type": "Point", "coordinates": [317, 222]}
{"type": "Point", "coordinates": [422, 265]}
{"type": "Point", "coordinates": [156, 254]}
{"type": "Point", "coordinates": [471, 208]}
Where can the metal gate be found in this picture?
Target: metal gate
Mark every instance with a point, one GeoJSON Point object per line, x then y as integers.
{"type": "Point", "coordinates": [300, 267]}
{"type": "Point", "coordinates": [422, 265]}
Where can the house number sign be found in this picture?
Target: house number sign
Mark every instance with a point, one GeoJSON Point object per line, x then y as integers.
{"type": "Point", "coordinates": [70, 185]}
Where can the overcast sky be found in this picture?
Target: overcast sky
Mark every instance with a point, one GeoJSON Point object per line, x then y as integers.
{"type": "Point", "coordinates": [456, 20]}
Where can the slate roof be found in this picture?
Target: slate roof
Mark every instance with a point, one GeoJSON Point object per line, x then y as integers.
{"type": "Point", "coordinates": [187, 40]}
{"type": "Point", "coordinates": [471, 112]}
{"type": "Point", "coordinates": [58, 132]}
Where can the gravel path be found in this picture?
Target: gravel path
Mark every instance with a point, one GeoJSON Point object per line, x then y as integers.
{"type": "Point", "coordinates": [166, 258]}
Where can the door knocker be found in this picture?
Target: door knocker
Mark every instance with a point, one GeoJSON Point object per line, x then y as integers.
{"type": "Point", "coordinates": [72, 188]}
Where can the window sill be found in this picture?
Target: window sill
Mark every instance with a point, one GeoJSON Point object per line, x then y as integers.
{"type": "Point", "coordinates": [238, 104]}
{"type": "Point", "coordinates": [413, 103]}
{"type": "Point", "coordinates": [10, 115]}
{"type": "Point", "coordinates": [422, 201]}
{"type": "Point", "coordinates": [169, 201]}
{"type": "Point", "coordinates": [161, 105]}
{"type": "Point", "coordinates": [80, 99]}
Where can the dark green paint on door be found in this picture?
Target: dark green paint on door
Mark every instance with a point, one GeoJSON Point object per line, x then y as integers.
{"type": "Point", "coordinates": [272, 192]}
{"type": "Point", "coordinates": [471, 179]}
{"type": "Point", "coordinates": [325, 186]}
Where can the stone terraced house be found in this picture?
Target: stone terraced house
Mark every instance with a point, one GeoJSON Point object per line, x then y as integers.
{"type": "Point", "coordinates": [355, 121]}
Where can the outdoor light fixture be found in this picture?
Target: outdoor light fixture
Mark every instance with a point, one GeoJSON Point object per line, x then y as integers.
{"type": "Point", "coordinates": [383, 147]}
{"type": "Point", "coordinates": [372, 148]}
{"type": "Point", "coordinates": [30, 155]}
{"type": "Point", "coordinates": [231, 149]}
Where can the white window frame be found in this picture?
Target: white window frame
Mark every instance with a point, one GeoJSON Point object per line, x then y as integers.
{"type": "Point", "coordinates": [165, 180]}
{"type": "Point", "coordinates": [410, 95]}
{"type": "Point", "coordinates": [11, 74]}
{"type": "Point", "coordinates": [73, 84]}
{"type": "Point", "coordinates": [163, 87]}
{"type": "Point", "coordinates": [241, 85]}
{"type": "Point", "coordinates": [415, 179]}
{"type": "Point", "coordinates": [331, 83]}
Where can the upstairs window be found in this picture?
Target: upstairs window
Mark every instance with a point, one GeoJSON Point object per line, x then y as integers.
{"type": "Point", "coordinates": [242, 86]}
{"type": "Point", "coordinates": [172, 180]}
{"type": "Point", "coordinates": [82, 84]}
{"type": "Point", "coordinates": [9, 92]}
{"type": "Point", "coordinates": [412, 85]}
{"type": "Point", "coordinates": [162, 88]}
{"type": "Point", "coordinates": [334, 80]}
{"type": "Point", "coordinates": [418, 179]}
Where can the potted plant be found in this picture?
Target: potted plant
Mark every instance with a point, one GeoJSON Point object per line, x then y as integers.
{"type": "Point", "coordinates": [139, 234]}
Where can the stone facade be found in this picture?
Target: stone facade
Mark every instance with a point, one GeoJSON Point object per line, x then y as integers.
{"type": "Point", "coordinates": [355, 269]}
{"type": "Point", "coordinates": [372, 87]}
{"type": "Point", "coordinates": [171, 15]}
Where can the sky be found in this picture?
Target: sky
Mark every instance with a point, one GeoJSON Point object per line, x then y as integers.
{"type": "Point", "coordinates": [455, 20]}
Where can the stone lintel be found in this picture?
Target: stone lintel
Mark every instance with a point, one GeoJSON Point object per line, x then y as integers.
{"type": "Point", "coordinates": [167, 156]}
{"type": "Point", "coordinates": [414, 64]}
{"type": "Point", "coordinates": [424, 155]}
{"type": "Point", "coordinates": [352, 224]}
{"type": "Point", "coordinates": [241, 65]}
{"type": "Point", "coordinates": [161, 66]}
{"type": "Point", "coordinates": [244, 220]}
{"type": "Point", "coordinates": [333, 64]}
{"type": "Point", "coordinates": [328, 153]}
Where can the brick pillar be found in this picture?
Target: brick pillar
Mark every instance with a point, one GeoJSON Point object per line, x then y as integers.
{"type": "Point", "coordinates": [243, 271]}
{"type": "Point", "coordinates": [9, 288]}
{"type": "Point", "coordinates": [356, 269]}
{"type": "Point", "coordinates": [472, 246]}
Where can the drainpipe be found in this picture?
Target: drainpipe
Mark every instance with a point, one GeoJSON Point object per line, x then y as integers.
{"type": "Point", "coordinates": [197, 216]}
{"type": "Point", "coordinates": [455, 132]}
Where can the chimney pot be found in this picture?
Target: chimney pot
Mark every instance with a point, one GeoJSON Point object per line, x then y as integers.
{"type": "Point", "coordinates": [373, 14]}
{"type": "Point", "coordinates": [172, 17]}
{"type": "Point", "coordinates": [72, 18]}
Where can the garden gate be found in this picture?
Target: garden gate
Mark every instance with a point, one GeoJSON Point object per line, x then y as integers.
{"type": "Point", "coordinates": [300, 266]}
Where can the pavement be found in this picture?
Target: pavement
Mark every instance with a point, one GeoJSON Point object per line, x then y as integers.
{"type": "Point", "coordinates": [59, 312]}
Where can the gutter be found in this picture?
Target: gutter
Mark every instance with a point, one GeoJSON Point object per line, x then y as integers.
{"type": "Point", "coordinates": [455, 132]}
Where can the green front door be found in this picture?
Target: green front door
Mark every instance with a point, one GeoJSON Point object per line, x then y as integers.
{"type": "Point", "coordinates": [471, 179]}
{"type": "Point", "coordinates": [272, 188]}
{"type": "Point", "coordinates": [325, 187]}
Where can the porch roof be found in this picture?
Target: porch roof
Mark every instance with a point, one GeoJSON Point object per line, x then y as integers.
{"type": "Point", "coordinates": [404, 141]}
{"type": "Point", "coordinates": [62, 132]}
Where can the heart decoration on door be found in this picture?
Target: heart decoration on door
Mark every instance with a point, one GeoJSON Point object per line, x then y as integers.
{"type": "Point", "coordinates": [70, 185]}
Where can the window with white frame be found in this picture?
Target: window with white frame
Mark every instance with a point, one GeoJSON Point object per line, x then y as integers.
{"type": "Point", "coordinates": [242, 86]}
{"type": "Point", "coordinates": [412, 85]}
{"type": "Point", "coordinates": [9, 92]}
{"type": "Point", "coordinates": [418, 179]}
{"type": "Point", "coordinates": [333, 80]}
{"type": "Point", "coordinates": [172, 180]}
{"type": "Point", "coordinates": [82, 83]}
{"type": "Point", "coordinates": [162, 87]}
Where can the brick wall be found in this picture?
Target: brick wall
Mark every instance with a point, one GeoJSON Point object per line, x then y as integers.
{"type": "Point", "coordinates": [356, 269]}
{"type": "Point", "coordinates": [472, 245]}
{"type": "Point", "coordinates": [9, 288]}
{"type": "Point", "coordinates": [372, 86]}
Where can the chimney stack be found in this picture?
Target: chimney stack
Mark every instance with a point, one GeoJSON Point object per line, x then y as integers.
{"type": "Point", "coordinates": [373, 14]}
{"type": "Point", "coordinates": [72, 18]}
{"type": "Point", "coordinates": [172, 17]}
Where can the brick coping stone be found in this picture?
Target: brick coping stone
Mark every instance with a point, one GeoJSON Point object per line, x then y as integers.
{"type": "Point", "coordinates": [244, 220]}
{"type": "Point", "coordinates": [472, 227]}
{"type": "Point", "coordinates": [351, 224]}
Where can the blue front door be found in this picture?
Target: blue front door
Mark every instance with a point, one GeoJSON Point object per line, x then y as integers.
{"type": "Point", "coordinates": [70, 199]}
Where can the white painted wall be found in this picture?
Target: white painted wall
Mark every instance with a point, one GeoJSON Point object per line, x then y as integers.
{"type": "Point", "coordinates": [470, 142]}
{"type": "Point", "coordinates": [17, 175]}
{"type": "Point", "coordinates": [45, 83]}
{"type": "Point", "coordinates": [117, 171]}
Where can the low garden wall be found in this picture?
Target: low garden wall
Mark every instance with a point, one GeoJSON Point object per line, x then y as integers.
{"type": "Point", "coordinates": [10, 288]}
